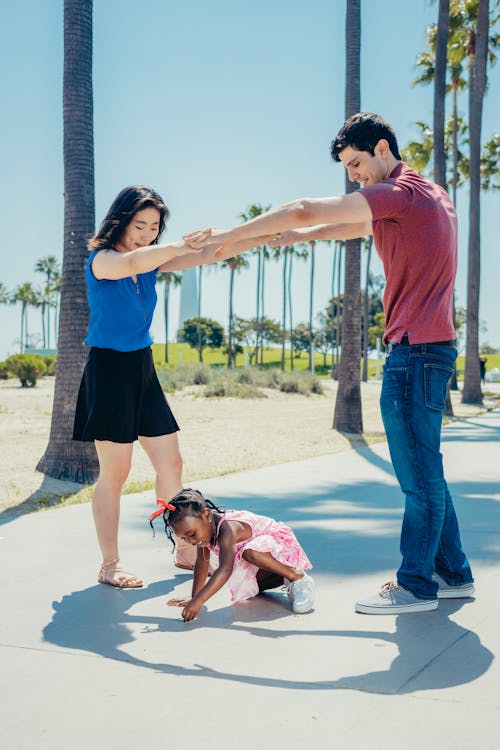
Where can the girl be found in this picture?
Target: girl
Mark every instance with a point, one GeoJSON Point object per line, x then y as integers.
{"type": "Point", "coordinates": [256, 553]}
{"type": "Point", "coordinates": [120, 399]}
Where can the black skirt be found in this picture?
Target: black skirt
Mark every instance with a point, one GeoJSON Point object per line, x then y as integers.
{"type": "Point", "coordinates": [120, 398]}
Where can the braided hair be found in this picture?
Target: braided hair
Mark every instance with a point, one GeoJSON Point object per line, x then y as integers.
{"type": "Point", "coordinates": [187, 502]}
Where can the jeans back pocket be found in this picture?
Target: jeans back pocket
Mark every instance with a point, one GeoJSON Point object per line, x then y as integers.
{"type": "Point", "coordinates": [436, 379]}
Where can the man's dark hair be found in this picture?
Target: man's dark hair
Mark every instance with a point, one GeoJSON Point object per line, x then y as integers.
{"type": "Point", "coordinates": [362, 132]}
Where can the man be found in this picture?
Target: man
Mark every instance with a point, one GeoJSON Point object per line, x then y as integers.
{"type": "Point", "coordinates": [415, 232]}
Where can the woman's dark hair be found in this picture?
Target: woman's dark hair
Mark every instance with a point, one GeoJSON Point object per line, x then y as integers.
{"type": "Point", "coordinates": [123, 209]}
{"type": "Point", "coordinates": [362, 132]}
{"type": "Point", "coordinates": [187, 502]}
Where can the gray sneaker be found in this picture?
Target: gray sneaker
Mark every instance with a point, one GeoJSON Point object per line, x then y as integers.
{"type": "Point", "coordinates": [301, 594]}
{"type": "Point", "coordinates": [393, 599]}
{"type": "Point", "coordinates": [446, 591]}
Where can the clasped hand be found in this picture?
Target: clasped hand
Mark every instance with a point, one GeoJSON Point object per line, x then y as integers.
{"type": "Point", "coordinates": [203, 237]}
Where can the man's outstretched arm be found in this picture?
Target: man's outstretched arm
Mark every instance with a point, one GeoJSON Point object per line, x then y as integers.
{"type": "Point", "coordinates": [305, 212]}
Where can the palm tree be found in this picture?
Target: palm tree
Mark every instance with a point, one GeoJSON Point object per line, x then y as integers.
{"type": "Point", "coordinates": [348, 414]}
{"type": "Point", "coordinates": [368, 244]}
{"type": "Point", "coordinates": [294, 251]}
{"type": "Point", "coordinates": [63, 457]}
{"type": "Point", "coordinates": [478, 58]}
{"type": "Point", "coordinates": [312, 245]}
{"type": "Point", "coordinates": [256, 209]}
{"type": "Point", "coordinates": [284, 252]}
{"type": "Point", "coordinates": [51, 267]}
{"type": "Point", "coordinates": [27, 296]}
{"type": "Point", "coordinates": [440, 92]}
{"type": "Point", "coordinates": [168, 278]}
{"type": "Point", "coordinates": [235, 265]}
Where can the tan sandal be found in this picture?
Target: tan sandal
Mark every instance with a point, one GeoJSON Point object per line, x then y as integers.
{"type": "Point", "coordinates": [114, 575]}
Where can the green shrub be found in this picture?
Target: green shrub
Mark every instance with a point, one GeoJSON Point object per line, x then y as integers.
{"type": "Point", "coordinates": [27, 367]}
{"type": "Point", "coordinates": [50, 363]}
{"type": "Point", "coordinates": [5, 373]}
{"type": "Point", "coordinates": [228, 386]}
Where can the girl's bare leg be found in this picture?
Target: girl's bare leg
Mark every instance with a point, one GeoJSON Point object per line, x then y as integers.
{"type": "Point", "coordinates": [266, 562]}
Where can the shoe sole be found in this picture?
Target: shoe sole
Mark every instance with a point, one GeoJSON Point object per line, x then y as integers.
{"type": "Point", "coordinates": [461, 592]}
{"type": "Point", "coordinates": [399, 609]}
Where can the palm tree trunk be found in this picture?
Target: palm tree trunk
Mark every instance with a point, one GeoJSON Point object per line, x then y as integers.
{"type": "Point", "coordinates": [471, 392]}
{"type": "Point", "coordinates": [311, 307]}
{"type": "Point", "coordinates": [453, 384]}
{"type": "Point", "coordinates": [257, 306]}
{"type": "Point", "coordinates": [290, 266]}
{"type": "Point", "coordinates": [200, 343]}
{"type": "Point", "coordinates": [439, 117]}
{"type": "Point", "coordinates": [440, 92]}
{"type": "Point", "coordinates": [365, 311]}
{"type": "Point", "coordinates": [338, 311]}
{"type": "Point", "coordinates": [230, 359]}
{"type": "Point", "coordinates": [44, 333]}
{"type": "Point", "coordinates": [283, 320]}
{"type": "Point", "coordinates": [63, 457]}
{"type": "Point", "coordinates": [334, 267]}
{"type": "Point", "coordinates": [166, 295]}
{"type": "Point", "coordinates": [348, 413]}
{"type": "Point", "coordinates": [262, 309]}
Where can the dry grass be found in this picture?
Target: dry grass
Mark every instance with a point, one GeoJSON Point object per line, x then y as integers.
{"type": "Point", "coordinates": [218, 436]}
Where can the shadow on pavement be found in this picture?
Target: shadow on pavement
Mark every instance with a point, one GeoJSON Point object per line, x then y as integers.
{"type": "Point", "coordinates": [433, 651]}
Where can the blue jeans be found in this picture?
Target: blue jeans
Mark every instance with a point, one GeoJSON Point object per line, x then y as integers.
{"type": "Point", "coordinates": [412, 403]}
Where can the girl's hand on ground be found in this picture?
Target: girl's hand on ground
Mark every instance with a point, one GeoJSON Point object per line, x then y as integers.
{"type": "Point", "coordinates": [191, 610]}
{"type": "Point", "coordinates": [177, 602]}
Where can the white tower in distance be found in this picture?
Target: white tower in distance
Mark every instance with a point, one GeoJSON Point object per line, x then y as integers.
{"type": "Point", "coordinates": [188, 306]}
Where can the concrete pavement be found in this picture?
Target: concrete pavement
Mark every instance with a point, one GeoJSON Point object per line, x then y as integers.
{"type": "Point", "coordinates": [84, 665]}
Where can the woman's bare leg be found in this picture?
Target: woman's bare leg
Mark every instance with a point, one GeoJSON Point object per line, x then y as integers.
{"type": "Point", "coordinates": [114, 467]}
{"type": "Point", "coordinates": [164, 453]}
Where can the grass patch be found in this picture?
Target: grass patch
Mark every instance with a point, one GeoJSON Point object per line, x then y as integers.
{"type": "Point", "coordinates": [244, 382]}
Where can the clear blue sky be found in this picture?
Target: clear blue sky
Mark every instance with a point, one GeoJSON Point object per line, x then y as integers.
{"type": "Point", "coordinates": [216, 105]}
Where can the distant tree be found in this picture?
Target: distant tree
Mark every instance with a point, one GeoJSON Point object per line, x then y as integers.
{"type": "Point", "coordinates": [210, 332]}
{"type": "Point", "coordinates": [301, 336]}
{"type": "Point", "coordinates": [235, 265]}
{"type": "Point", "coordinates": [246, 332]}
{"type": "Point", "coordinates": [262, 253]}
{"type": "Point", "coordinates": [376, 329]}
{"type": "Point", "coordinates": [168, 278]}
{"type": "Point", "coordinates": [323, 335]}
{"type": "Point", "coordinates": [5, 295]}
{"type": "Point", "coordinates": [51, 267]}
{"type": "Point", "coordinates": [26, 295]}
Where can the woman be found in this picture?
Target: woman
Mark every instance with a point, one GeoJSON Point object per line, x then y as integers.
{"type": "Point", "coordinates": [120, 399]}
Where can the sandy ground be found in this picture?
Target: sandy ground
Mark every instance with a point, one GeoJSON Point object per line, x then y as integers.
{"type": "Point", "coordinates": [218, 436]}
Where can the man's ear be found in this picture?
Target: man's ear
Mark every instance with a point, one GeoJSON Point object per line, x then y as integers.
{"type": "Point", "coordinates": [382, 148]}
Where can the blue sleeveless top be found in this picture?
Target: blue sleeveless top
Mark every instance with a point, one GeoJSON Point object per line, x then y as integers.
{"type": "Point", "coordinates": [121, 311]}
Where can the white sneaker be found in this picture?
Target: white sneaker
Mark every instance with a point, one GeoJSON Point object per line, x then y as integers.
{"type": "Point", "coordinates": [393, 599]}
{"type": "Point", "coordinates": [301, 594]}
{"type": "Point", "coordinates": [446, 591]}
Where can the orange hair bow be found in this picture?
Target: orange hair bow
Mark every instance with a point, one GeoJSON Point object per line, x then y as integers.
{"type": "Point", "coordinates": [163, 507]}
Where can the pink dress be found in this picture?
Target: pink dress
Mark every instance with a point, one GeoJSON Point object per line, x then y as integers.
{"type": "Point", "coordinates": [268, 535]}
